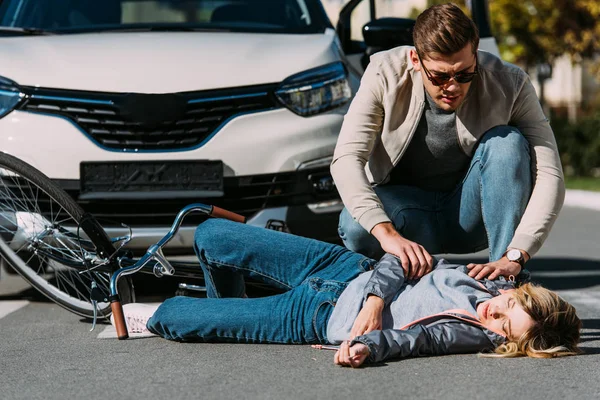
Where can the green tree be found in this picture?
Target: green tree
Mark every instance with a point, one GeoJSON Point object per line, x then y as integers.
{"type": "Point", "coordinates": [529, 32]}
{"type": "Point", "coordinates": [533, 31]}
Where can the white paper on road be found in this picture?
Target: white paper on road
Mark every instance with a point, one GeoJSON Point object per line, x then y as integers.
{"type": "Point", "coordinates": [9, 306]}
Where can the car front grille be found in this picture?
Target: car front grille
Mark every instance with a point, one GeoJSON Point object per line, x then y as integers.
{"type": "Point", "coordinates": [150, 122]}
{"type": "Point", "coordinates": [244, 195]}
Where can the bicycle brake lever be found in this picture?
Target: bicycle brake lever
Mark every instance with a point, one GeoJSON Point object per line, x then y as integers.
{"type": "Point", "coordinates": [95, 296]}
{"type": "Point", "coordinates": [122, 239]}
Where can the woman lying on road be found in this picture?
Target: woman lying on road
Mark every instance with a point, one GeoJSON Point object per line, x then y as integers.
{"type": "Point", "coordinates": [337, 296]}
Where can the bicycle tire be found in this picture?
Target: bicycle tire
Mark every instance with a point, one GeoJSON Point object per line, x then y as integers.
{"type": "Point", "coordinates": [30, 207]}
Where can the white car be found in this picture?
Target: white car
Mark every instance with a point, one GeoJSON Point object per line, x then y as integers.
{"type": "Point", "coordinates": [137, 108]}
{"type": "Point", "coordinates": [140, 107]}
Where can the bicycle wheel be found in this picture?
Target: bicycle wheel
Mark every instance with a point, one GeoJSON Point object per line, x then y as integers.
{"type": "Point", "coordinates": [40, 238]}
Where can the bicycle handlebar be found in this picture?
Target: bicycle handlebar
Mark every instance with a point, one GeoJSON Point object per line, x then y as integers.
{"type": "Point", "coordinates": [154, 253]}
{"type": "Point", "coordinates": [119, 318]}
{"type": "Point", "coordinates": [221, 213]}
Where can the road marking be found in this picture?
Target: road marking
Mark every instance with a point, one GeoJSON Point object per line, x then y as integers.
{"type": "Point", "coordinates": [108, 333]}
{"type": "Point", "coordinates": [579, 296]}
{"type": "Point", "coordinates": [583, 198]}
{"type": "Point", "coordinates": [565, 274]}
{"type": "Point", "coordinates": [9, 306]}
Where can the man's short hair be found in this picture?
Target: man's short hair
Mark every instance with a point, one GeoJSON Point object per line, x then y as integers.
{"type": "Point", "coordinates": [444, 29]}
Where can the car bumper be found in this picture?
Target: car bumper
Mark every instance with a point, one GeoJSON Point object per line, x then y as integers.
{"type": "Point", "coordinates": [275, 150]}
{"type": "Point", "coordinates": [258, 143]}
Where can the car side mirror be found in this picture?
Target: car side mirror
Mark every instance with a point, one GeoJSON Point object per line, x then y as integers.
{"type": "Point", "coordinates": [387, 33]}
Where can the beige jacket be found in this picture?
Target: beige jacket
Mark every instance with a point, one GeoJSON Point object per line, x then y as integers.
{"type": "Point", "coordinates": [386, 111]}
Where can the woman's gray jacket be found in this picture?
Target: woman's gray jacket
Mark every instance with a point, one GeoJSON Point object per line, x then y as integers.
{"type": "Point", "coordinates": [434, 315]}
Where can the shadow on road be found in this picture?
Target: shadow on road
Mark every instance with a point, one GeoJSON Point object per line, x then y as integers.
{"type": "Point", "coordinates": [591, 324]}
{"type": "Point", "coordinates": [552, 273]}
{"type": "Point", "coordinates": [558, 273]}
{"type": "Point", "coordinates": [589, 351]}
{"type": "Point", "coordinates": [29, 294]}
{"type": "Point", "coordinates": [591, 331]}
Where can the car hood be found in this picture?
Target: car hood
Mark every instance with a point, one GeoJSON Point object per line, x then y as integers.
{"type": "Point", "coordinates": [161, 62]}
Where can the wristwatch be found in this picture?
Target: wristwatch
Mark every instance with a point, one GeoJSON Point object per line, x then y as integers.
{"type": "Point", "coordinates": [516, 256]}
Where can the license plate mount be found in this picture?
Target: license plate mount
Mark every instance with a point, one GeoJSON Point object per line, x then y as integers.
{"type": "Point", "coordinates": [138, 180]}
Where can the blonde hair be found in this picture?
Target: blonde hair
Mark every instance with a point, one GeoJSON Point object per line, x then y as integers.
{"type": "Point", "coordinates": [556, 326]}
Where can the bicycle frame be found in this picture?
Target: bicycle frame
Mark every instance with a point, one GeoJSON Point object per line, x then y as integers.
{"type": "Point", "coordinates": [155, 254]}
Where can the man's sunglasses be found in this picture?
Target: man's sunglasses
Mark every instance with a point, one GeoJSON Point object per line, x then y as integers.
{"type": "Point", "coordinates": [442, 79]}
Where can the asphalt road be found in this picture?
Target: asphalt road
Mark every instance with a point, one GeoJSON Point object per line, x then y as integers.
{"type": "Point", "coordinates": [48, 353]}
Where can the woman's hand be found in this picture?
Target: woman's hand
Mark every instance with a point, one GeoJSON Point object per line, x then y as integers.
{"type": "Point", "coordinates": [351, 356]}
{"type": "Point", "coordinates": [369, 318]}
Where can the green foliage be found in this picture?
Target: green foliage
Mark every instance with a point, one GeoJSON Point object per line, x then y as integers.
{"type": "Point", "coordinates": [579, 144]}
{"type": "Point", "coordinates": [583, 183]}
{"type": "Point", "coordinates": [532, 31]}
{"type": "Point", "coordinates": [414, 13]}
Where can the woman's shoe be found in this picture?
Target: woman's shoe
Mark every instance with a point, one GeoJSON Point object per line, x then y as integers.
{"type": "Point", "coordinates": [136, 318]}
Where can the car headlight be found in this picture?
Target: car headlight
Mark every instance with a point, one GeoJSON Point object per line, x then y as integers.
{"type": "Point", "coordinates": [10, 96]}
{"type": "Point", "coordinates": [316, 90]}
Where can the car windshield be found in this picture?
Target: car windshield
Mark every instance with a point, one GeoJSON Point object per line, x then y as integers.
{"type": "Point", "coordinates": [77, 16]}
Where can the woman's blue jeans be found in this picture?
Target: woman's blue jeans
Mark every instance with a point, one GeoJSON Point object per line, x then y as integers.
{"type": "Point", "coordinates": [483, 211]}
{"type": "Point", "coordinates": [313, 273]}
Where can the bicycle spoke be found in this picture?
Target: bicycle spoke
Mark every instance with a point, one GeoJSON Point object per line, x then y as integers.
{"type": "Point", "coordinates": [69, 280]}
{"type": "Point", "coordinates": [31, 257]}
{"type": "Point", "coordinates": [10, 198]}
{"type": "Point", "coordinates": [22, 247]}
{"type": "Point", "coordinates": [45, 243]}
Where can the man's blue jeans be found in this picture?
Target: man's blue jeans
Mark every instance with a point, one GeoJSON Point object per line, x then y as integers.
{"type": "Point", "coordinates": [313, 273]}
{"type": "Point", "coordinates": [483, 211]}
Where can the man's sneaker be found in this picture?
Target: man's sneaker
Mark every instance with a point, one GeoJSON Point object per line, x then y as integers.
{"type": "Point", "coordinates": [136, 318]}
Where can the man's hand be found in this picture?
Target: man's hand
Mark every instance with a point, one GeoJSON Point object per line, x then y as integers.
{"type": "Point", "coordinates": [416, 261]}
{"type": "Point", "coordinates": [369, 318]}
{"type": "Point", "coordinates": [494, 269]}
{"type": "Point", "coordinates": [351, 356]}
